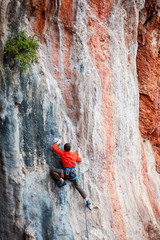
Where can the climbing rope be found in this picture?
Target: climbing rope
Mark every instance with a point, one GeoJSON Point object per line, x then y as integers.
{"type": "Point", "coordinates": [85, 208]}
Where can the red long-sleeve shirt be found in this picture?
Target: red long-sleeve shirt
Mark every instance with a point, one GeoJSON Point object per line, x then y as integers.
{"type": "Point", "coordinates": [69, 158]}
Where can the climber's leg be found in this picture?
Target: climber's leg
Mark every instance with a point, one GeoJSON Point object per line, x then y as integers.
{"type": "Point", "coordinates": [56, 173]}
{"type": "Point", "coordinates": [83, 194]}
{"type": "Point", "coordinates": [79, 188]}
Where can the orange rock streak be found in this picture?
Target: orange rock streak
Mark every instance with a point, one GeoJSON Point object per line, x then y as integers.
{"type": "Point", "coordinates": [65, 16]}
{"type": "Point", "coordinates": [38, 9]}
{"type": "Point", "coordinates": [148, 68]}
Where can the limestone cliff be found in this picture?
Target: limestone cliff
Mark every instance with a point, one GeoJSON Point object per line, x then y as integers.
{"type": "Point", "coordinates": [95, 84]}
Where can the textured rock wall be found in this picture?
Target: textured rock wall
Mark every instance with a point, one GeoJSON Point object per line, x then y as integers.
{"type": "Point", "coordinates": [148, 69]}
{"type": "Point", "coordinates": [84, 89]}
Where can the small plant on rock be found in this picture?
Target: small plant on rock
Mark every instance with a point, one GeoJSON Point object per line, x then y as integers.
{"type": "Point", "coordinates": [22, 49]}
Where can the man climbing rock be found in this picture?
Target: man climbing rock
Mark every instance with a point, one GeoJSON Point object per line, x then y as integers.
{"type": "Point", "coordinates": [68, 172]}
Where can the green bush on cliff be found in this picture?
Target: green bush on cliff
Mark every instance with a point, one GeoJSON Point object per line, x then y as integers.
{"type": "Point", "coordinates": [22, 49]}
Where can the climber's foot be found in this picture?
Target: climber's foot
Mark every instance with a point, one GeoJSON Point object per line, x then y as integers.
{"type": "Point", "coordinates": [61, 184]}
{"type": "Point", "coordinates": [89, 204]}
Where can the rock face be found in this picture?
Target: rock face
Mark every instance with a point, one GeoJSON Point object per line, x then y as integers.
{"type": "Point", "coordinates": [148, 69]}
{"type": "Point", "coordinates": [82, 89]}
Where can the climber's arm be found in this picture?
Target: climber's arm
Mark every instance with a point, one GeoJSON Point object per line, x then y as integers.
{"type": "Point", "coordinates": [79, 159]}
{"type": "Point", "coordinates": [56, 149]}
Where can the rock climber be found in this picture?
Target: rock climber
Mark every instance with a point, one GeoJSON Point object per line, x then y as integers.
{"type": "Point", "coordinates": [68, 172]}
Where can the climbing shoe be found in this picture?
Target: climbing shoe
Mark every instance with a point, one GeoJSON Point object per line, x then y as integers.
{"type": "Point", "coordinates": [61, 184]}
{"type": "Point", "coordinates": [89, 204]}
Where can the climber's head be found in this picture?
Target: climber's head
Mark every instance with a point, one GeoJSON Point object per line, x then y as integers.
{"type": "Point", "coordinates": [67, 147]}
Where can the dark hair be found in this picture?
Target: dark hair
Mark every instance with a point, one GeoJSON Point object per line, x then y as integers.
{"type": "Point", "coordinates": [67, 147]}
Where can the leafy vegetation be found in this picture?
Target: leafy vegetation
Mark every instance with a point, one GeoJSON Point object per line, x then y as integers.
{"type": "Point", "coordinates": [22, 49]}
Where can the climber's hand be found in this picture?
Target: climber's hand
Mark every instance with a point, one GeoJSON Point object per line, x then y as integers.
{"type": "Point", "coordinates": [59, 141]}
{"type": "Point", "coordinates": [78, 151]}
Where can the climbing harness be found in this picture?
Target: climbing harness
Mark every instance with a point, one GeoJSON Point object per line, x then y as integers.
{"type": "Point", "coordinates": [84, 207]}
{"type": "Point", "coordinates": [69, 171]}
